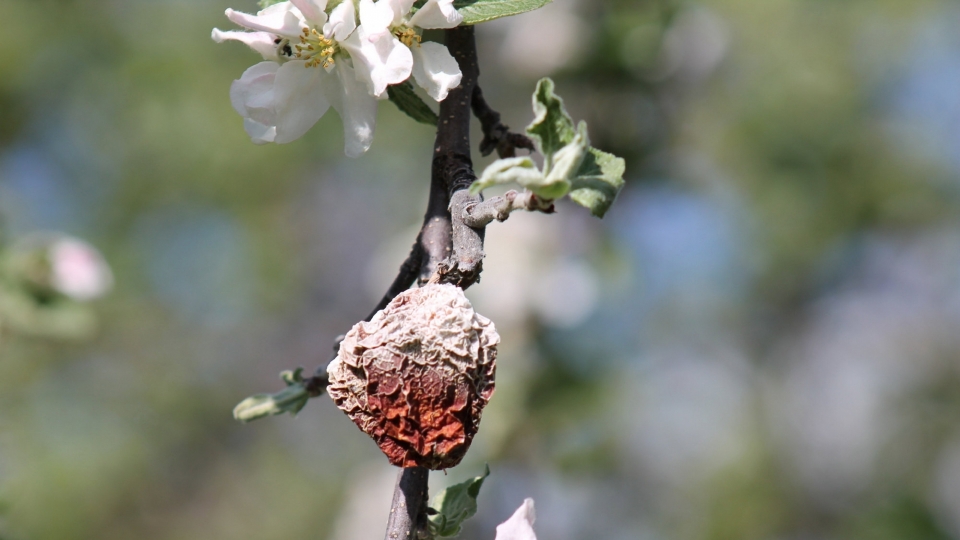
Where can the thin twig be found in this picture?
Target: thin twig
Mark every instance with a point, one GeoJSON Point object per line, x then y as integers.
{"type": "Point", "coordinates": [480, 214]}
{"type": "Point", "coordinates": [496, 135]}
{"type": "Point", "coordinates": [409, 271]}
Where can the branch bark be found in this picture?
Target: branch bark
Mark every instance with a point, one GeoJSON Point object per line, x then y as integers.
{"type": "Point", "coordinates": [499, 208]}
{"type": "Point", "coordinates": [452, 166]}
{"type": "Point", "coordinates": [453, 251]}
{"type": "Point", "coordinates": [408, 511]}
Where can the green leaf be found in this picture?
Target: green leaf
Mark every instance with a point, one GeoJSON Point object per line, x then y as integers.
{"type": "Point", "coordinates": [552, 128]}
{"type": "Point", "coordinates": [566, 161]}
{"type": "Point", "coordinates": [598, 181]}
{"type": "Point", "coordinates": [406, 99]}
{"type": "Point", "coordinates": [264, 4]}
{"type": "Point", "coordinates": [478, 11]}
{"type": "Point", "coordinates": [455, 505]}
{"type": "Point", "coordinates": [504, 171]}
{"type": "Point", "coordinates": [289, 400]}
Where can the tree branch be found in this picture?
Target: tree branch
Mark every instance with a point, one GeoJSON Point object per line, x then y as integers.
{"type": "Point", "coordinates": [453, 252]}
{"type": "Point", "coordinates": [452, 166]}
{"type": "Point", "coordinates": [479, 215]}
{"type": "Point", "coordinates": [496, 135]}
{"type": "Point", "coordinates": [408, 511]}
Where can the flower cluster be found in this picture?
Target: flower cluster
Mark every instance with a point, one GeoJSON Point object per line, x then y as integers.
{"type": "Point", "coordinates": [315, 58]}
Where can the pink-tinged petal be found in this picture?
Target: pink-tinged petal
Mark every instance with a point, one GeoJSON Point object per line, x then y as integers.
{"type": "Point", "coordinates": [376, 18]}
{"type": "Point", "coordinates": [259, 133]}
{"type": "Point", "coordinates": [313, 11]}
{"type": "Point", "coordinates": [261, 42]}
{"type": "Point", "coordinates": [252, 95]}
{"type": "Point", "coordinates": [380, 62]}
{"type": "Point", "coordinates": [520, 524]}
{"type": "Point", "coordinates": [437, 14]}
{"type": "Point", "coordinates": [300, 99]}
{"type": "Point", "coordinates": [278, 19]}
{"type": "Point", "coordinates": [342, 23]}
{"type": "Point", "coordinates": [356, 107]}
{"type": "Point", "coordinates": [435, 69]}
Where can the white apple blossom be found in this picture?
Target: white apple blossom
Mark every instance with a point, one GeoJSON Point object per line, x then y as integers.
{"type": "Point", "coordinates": [520, 524]}
{"type": "Point", "coordinates": [387, 25]}
{"type": "Point", "coordinates": [305, 72]}
{"type": "Point", "coordinates": [313, 61]}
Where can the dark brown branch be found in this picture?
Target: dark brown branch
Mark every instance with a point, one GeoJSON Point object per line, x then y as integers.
{"type": "Point", "coordinates": [453, 252]}
{"type": "Point", "coordinates": [408, 510]}
{"type": "Point", "coordinates": [452, 166]}
{"type": "Point", "coordinates": [496, 135]}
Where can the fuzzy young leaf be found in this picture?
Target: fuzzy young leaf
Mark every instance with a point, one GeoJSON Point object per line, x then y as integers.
{"type": "Point", "coordinates": [455, 505]}
{"type": "Point", "coordinates": [552, 128]}
{"type": "Point", "coordinates": [521, 170]}
{"type": "Point", "coordinates": [478, 11]}
{"type": "Point", "coordinates": [406, 99]}
{"type": "Point", "coordinates": [264, 4]}
{"type": "Point", "coordinates": [289, 400]}
{"type": "Point", "coordinates": [566, 161]}
{"type": "Point", "coordinates": [598, 181]}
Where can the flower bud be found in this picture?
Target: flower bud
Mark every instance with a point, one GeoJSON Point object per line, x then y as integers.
{"type": "Point", "coordinates": [56, 263]}
{"type": "Point", "coordinates": [417, 376]}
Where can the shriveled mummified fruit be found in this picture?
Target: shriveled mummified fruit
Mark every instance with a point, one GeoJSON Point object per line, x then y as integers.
{"type": "Point", "coordinates": [417, 376]}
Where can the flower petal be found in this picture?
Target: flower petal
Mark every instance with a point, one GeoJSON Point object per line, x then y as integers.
{"type": "Point", "coordinates": [435, 69]}
{"type": "Point", "coordinates": [299, 98]}
{"type": "Point", "coordinates": [252, 94]}
{"type": "Point", "coordinates": [380, 62]}
{"type": "Point", "coordinates": [278, 19]}
{"type": "Point", "coordinates": [313, 11]}
{"type": "Point", "coordinates": [376, 18]}
{"type": "Point", "coordinates": [342, 22]}
{"type": "Point", "coordinates": [437, 14]}
{"type": "Point", "coordinates": [262, 42]}
{"type": "Point", "coordinates": [400, 9]}
{"type": "Point", "coordinates": [520, 524]}
{"type": "Point", "coordinates": [259, 133]}
{"type": "Point", "coordinates": [356, 107]}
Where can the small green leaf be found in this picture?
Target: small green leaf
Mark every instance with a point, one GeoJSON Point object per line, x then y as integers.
{"type": "Point", "coordinates": [264, 4]}
{"type": "Point", "coordinates": [566, 161]}
{"type": "Point", "coordinates": [552, 128]}
{"type": "Point", "coordinates": [289, 400]}
{"type": "Point", "coordinates": [406, 99]}
{"type": "Point", "coordinates": [455, 505]}
{"type": "Point", "coordinates": [598, 181]}
{"type": "Point", "coordinates": [521, 170]}
{"type": "Point", "coordinates": [478, 11]}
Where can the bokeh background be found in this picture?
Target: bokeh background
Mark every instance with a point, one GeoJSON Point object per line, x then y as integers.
{"type": "Point", "coordinates": [760, 341]}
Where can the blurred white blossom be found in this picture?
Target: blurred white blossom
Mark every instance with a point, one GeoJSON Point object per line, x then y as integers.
{"type": "Point", "coordinates": [520, 524]}
{"type": "Point", "coordinates": [78, 270]}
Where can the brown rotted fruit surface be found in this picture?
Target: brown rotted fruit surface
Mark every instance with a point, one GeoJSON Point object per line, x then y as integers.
{"type": "Point", "coordinates": [418, 375]}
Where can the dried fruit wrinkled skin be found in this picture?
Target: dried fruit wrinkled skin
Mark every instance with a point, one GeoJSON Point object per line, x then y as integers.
{"type": "Point", "coordinates": [417, 376]}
